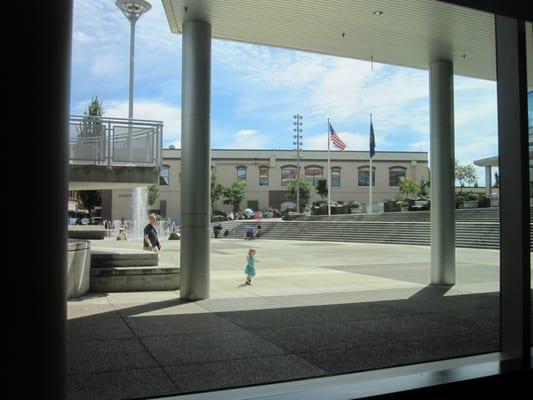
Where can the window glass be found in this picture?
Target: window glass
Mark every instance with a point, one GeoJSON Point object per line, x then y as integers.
{"type": "Point", "coordinates": [263, 176]}
{"type": "Point", "coordinates": [313, 174]}
{"type": "Point", "coordinates": [288, 173]}
{"type": "Point", "coordinates": [164, 175]}
{"type": "Point", "coordinates": [396, 175]}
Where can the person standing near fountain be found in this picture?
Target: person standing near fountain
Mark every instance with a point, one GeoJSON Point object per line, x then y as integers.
{"type": "Point", "coordinates": [151, 242]}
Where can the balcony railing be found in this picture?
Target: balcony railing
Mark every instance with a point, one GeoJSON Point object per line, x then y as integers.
{"type": "Point", "coordinates": [115, 141]}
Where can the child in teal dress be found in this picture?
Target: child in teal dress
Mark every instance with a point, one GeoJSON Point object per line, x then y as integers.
{"type": "Point", "coordinates": [249, 270]}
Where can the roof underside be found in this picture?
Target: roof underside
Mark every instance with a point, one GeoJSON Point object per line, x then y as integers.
{"type": "Point", "coordinates": [409, 33]}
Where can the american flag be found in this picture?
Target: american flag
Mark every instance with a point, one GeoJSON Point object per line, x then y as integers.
{"type": "Point", "coordinates": [335, 139]}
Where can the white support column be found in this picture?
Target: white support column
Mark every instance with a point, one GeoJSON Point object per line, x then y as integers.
{"type": "Point", "coordinates": [442, 173]}
{"type": "Point", "coordinates": [488, 180]}
{"type": "Point", "coordinates": [195, 161]}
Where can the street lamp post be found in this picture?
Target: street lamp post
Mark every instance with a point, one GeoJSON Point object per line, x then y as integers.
{"type": "Point", "coordinates": [132, 10]}
{"type": "Point", "coordinates": [298, 137]}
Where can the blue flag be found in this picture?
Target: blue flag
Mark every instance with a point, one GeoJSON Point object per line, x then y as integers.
{"type": "Point", "coordinates": [372, 141]}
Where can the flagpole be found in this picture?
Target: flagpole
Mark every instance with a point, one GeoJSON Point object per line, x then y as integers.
{"type": "Point", "coordinates": [329, 176]}
{"type": "Point", "coordinates": [370, 190]}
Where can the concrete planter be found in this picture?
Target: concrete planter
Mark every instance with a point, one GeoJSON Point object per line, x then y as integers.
{"type": "Point", "coordinates": [355, 210]}
{"type": "Point", "coordinates": [470, 204]}
{"type": "Point", "coordinates": [78, 268]}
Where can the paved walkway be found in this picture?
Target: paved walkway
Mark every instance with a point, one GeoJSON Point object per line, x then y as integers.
{"type": "Point", "coordinates": [314, 309]}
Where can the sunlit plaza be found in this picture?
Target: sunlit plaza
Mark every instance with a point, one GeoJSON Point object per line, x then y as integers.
{"type": "Point", "coordinates": [314, 309]}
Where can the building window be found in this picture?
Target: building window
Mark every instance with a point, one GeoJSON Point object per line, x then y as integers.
{"type": "Point", "coordinates": [263, 176]}
{"type": "Point", "coordinates": [396, 175]}
{"type": "Point", "coordinates": [313, 174]}
{"type": "Point", "coordinates": [363, 176]}
{"type": "Point", "coordinates": [288, 173]}
{"type": "Point", "coordinates": [164, 175]}
{"type": "Point", "coordinates": [335, 177]}
{"type": "Point", "coordinates": [241, 173]}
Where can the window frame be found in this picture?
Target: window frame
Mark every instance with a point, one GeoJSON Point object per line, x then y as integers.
{"type": "Point", "coordinates": [290, 177]}
{"type": "Point", "coordinates": [241, 178]}
{"type": "Point", "coordinates": [267, 175]}
{"type": "Point", "coordinates": [314, 181]}
{"type": "Point", "coordinates": [167, 168]}
{"type": "Point", "coordinates": [366, 168]}
{"type": "Point", "coordinates": [397, 168]}
{"type": "Point", "coordinates": [336, 169]}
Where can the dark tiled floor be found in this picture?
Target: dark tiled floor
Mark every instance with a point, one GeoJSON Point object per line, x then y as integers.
{"type": "Point", "coordinates": [123, 384]}
{"type": "Point", "coordinates": [138, 351]}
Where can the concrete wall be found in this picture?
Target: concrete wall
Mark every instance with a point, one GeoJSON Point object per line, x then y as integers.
{"type": "Point", "coordinates": [78, 268]}
{"type": "Point", "coordinates": [225, 162]}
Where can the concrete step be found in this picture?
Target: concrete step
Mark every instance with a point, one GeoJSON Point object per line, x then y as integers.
{"type": "Point", "coordinates": [135, 278]}
{"type": "Point", "coordinates": [481, 234]}
{"type": "Point", "coordinates": [110, 258]}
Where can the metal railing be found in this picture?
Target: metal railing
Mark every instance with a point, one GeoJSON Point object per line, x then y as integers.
{"type": "Point", "coordinates": [115, 141]}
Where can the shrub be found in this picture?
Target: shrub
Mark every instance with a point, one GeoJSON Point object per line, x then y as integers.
{"type": "Point", "coordinates": [471, 196]}
{"type": "Point", "coordinates": [403, 203]}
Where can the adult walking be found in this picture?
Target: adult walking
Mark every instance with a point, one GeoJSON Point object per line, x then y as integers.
{"type": "Point", "coordinates": [151, 241]}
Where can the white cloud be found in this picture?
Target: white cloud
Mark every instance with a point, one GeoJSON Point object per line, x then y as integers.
{"type": "Point", "coordinates": [268, 85]}
{"type": "Point", "coordinates": [101, 42]}
{"type": "Point", "coordinates": [81, 37]}
{"type": "Point", "coordinates": [246, 133]}
{"type": "Point", "coordinates": [106, 66]}
{"type": "Point", "coordinates": [151, 110]}
{"type": "Point", "coordinates": [247, 139]}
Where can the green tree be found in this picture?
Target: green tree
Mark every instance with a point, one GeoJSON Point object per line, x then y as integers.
{"type": "Point", "coordinates": [322, 188]}
{"type": "Point", "coordinates": [305, 192]}
{"type": "Point", "coordinates": [153, 194]}
{"type": "Point", "coordinates": [465, 175]}
{"type": "Point", "coordinates": [409, 188]}
{"type": "Point", "coordinates": [217, 190]}
{"type": "Point", "coordinates": [424, 185]}
{"type": "Point", "coordinates": [90, 199]}
{"type": "Point", "coordinates": [234, 194]}
{"type": "Point", "coordinates": [91, 124]}
{"type": "Point", "coordinates": [95, 108]}
{"type": "Point", "coordinates": [91, 132]}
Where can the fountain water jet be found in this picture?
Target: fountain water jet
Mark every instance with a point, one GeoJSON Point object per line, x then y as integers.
{"type": "Point", "coordinates": [140, 211]}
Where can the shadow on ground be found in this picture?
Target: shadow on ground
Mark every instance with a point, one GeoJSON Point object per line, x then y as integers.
{"type": "Point", "coordinates": [171, 347]}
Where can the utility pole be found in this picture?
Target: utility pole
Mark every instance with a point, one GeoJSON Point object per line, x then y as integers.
{"type": "Point", "coordinates": [298, 137]}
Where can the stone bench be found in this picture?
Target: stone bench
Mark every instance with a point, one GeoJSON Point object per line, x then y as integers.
{"type": "Point", "coordinates": [86, 232]}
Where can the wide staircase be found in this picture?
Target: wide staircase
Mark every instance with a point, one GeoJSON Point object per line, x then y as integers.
{"type": "Point", "coordinates": [477, 228]}
{"type": "Point", "coordinates": [461, 215]}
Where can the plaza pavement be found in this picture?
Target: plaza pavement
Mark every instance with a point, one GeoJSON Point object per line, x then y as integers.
{"type": "Point", "coordinates": [314, 309]}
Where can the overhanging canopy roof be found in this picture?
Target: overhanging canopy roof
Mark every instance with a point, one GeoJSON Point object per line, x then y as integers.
{"type": "Point", "coordinates": [409, 33]}
{"type": "Point", "coordinates": [487, 162]}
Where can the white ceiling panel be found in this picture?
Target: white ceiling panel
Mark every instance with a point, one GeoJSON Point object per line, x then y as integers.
{"type": "Point", "coordinates": [409, 33]}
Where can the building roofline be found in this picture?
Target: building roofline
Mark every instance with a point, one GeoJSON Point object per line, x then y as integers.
{"type": "Point", "coordinates": [308, 150]}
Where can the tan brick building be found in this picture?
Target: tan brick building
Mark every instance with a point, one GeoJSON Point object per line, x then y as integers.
{"type": "Point", "coordinates": [267, 173]}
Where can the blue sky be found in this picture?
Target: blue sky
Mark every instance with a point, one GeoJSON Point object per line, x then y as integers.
{"type": "Point", "coordinates": [257, 89]}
